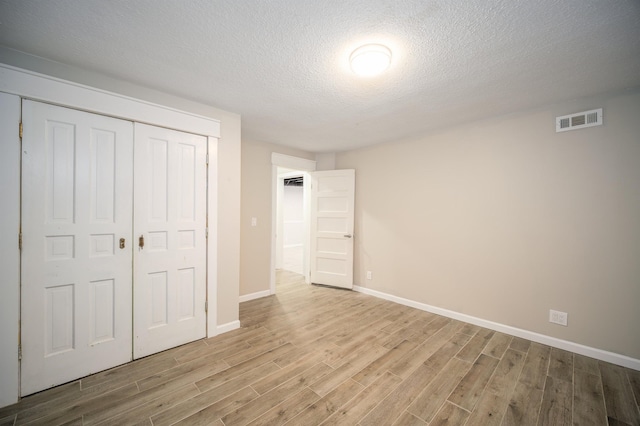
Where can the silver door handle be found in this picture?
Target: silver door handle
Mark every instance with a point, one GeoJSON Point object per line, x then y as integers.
{"type": "Point", "coordinates": [348, 235]}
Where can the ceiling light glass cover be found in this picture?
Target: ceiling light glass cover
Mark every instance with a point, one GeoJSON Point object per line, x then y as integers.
{"type": "Point", "coordinates": [370, 60]}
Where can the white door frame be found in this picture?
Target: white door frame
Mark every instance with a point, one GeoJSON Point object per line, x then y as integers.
{"type": "Point", "coordinates": [294, 163]}
{"type": "Point", "coordinates": [10, 259]}
{"type": "Point", "coordinates": [36, 86]}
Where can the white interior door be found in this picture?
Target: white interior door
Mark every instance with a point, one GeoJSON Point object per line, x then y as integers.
{"type": "Point", "coordinates": [332, 209]}
{"type": "Point", "coordinates": [170, 217]}
{"type": "Point", "coordinates": [76, 252]}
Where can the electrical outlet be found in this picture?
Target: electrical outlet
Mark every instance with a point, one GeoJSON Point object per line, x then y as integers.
{"type": "Point", "coordinates": [558, 317]}
{"type": "Point", "coordinates": [368, 275]}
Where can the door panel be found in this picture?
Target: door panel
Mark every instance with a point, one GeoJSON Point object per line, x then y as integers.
{"type": "Point", "coordinates": [76, 279]}
{"type": "Point", "coordinates": [332, 209]}
{"type": "Point", "coordinates": [170, 217]}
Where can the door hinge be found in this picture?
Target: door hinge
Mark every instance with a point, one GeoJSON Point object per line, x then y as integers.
{"type": "Point", "coordinates": [19, 352]}
{"type": "Point", "coordinates": [207, 158]}
{"type": "Point", "coordinates": [206, 306]}
{"type": "Point", "coordinates": [206, 232]}
{"type": "Point", "coordinates": [20, 240]}
{"type": "Point", "coordinates": [20, 130]}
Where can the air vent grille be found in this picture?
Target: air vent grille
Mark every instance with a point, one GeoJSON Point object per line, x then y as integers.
{"type": "Point", "coordinates": [579, 120]}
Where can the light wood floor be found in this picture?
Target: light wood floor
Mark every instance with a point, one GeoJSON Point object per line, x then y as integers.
{"type": "Point", "coordinates": [312, 355]}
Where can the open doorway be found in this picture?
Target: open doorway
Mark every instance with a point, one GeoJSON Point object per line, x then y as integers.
{"type": "Point", "coordinates": [331, 201]}
{"type": "Point", "coordinates": [290, 242]}
{"type": "Point", "coordinates": [292, 223]}
{"type": "Point", "coordinates": [293, 227]}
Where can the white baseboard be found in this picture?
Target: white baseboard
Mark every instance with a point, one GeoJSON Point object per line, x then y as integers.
{"type": "Point", "coordinates": [600, 354]}
{"type": "Point", "coordinates": [256, 295]}
{"type": "Point", "coordinates": [224, 328]}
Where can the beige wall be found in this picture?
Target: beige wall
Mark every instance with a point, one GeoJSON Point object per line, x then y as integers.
{"type": "Point", "coordinates": [255, 241]}
{"type": "Point", "coordinates": [228, 163]}
{"type": "Point", "coordinates": [326, 161]}
{"type": "Point", "coordinates": [505, 219]}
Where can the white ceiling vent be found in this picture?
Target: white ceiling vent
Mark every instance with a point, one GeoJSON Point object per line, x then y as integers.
{"type": "Point", "coordinates": [579, 120]}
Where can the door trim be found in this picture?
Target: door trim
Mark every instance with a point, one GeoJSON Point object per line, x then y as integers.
{"type": "Point", "coordinates": [10, 260]}
{"type": "Point", "coordinates": [44, 88]}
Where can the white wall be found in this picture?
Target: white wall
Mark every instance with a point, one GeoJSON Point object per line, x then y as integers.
{"type": "Point", "coordinates": [326, 161]}
{"type": "Point", "coordinates": [292, 205]}
{"type": "Point", "coordinates": [505, 219]}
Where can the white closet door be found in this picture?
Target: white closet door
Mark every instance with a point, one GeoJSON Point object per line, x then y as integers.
{"type": "Point", "coordinates": [76, 272]}
{"type": "Point", "coordinates": [170, 217]}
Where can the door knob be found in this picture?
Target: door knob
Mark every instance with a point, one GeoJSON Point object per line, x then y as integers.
{"type": "Point", "coordinates": [141, 241]}
{"type": "Point", "coordinates": [121, 243]}
{"type": "Point", "coordinates": [348, 235]}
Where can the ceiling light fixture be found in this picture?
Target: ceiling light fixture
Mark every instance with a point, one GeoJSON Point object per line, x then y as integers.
{"type": "Point", "coordinates": [370, 60]}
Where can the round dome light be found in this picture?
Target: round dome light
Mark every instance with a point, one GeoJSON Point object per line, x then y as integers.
{"type": "Point", "coordinates": [370, 60]}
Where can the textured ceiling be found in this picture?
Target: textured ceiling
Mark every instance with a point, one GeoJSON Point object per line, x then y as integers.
{"type": "Point", "coordinates": [282, 64]}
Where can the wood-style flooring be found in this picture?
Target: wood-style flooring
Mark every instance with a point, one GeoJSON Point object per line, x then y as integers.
{"type": "Point", "coordinates": [313, 355]}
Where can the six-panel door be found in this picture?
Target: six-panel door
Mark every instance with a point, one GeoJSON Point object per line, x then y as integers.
{"type": "Point", "coordinates": [76, 275]}
{"type": "Point", "coordinates": [170, 217]}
